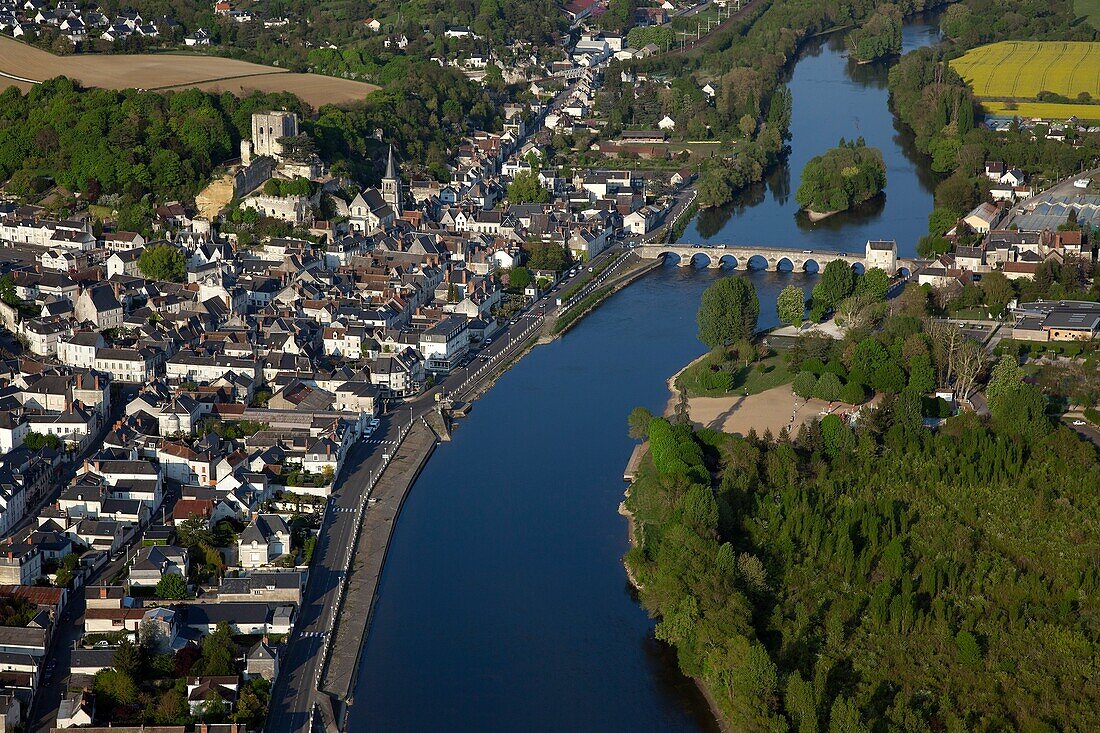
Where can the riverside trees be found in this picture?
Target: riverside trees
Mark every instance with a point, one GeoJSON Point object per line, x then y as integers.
{"type": "Point", "coordinates": [880, 36]}
{"type": "Point", "coordinates": [728, 312]}
{"type": "Point", "coordinates": [827, 581]}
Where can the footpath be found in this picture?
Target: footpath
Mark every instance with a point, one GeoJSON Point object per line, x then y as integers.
{"type": "Point", "coordinates": [369, 557]}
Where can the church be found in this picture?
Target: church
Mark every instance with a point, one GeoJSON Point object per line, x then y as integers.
{"type": "Point", "coordinates": [372, 209]}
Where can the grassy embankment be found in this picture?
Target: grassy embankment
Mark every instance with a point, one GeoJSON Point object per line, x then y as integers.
{"type": "Point", "coordinates": [706, 377]}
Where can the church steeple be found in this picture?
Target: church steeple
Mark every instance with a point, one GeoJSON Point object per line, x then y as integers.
{"type": "Point", "coordinates": [391, 169]}
{"type": "Point", "coordinates": [391, 185]}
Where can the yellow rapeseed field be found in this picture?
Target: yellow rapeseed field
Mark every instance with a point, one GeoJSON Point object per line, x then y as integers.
{"type": "Point", "coordinates": [1044, 110]}
{"type": "Point", "coordinates": [1022, 69]}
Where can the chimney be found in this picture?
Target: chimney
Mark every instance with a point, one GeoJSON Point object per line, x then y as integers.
{"type": "Point", "coordinates": [102, 591]}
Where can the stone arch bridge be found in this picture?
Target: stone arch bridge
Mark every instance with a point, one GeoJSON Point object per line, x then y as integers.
{"type": "Point", "coordinates": [739, 257]}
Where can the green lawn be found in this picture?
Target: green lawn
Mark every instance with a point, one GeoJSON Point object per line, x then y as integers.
{"type": "Point", "coordinates": [759, 376]}
{"type": "Point", "coordinates": [1090, 9]}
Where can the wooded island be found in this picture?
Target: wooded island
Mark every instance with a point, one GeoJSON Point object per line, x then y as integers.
{"type": "Point", "coordinates": [845, 176]}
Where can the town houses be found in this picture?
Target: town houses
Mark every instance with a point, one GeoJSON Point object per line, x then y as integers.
{"type": "Point", "coordinates": [143, 405]}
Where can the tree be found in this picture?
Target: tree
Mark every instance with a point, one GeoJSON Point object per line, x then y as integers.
{"type": "Point", "coordinates": [526, 188]}
{"type": "Point", "coordinates": [969, 363]}
{"type": "Point", "coordinates": [728, 312]}
{"type": "Point", "coordinates": [38, 441]}
{"type": "Point", "coordinates": [172, 709]}
{"type": "Point", "coordinates": [193, 531]}
{"type": "Point", "coordinates": [638, 423]}
{"type": "Point", "coordinates": [790, 306]}
{"type": "Point", "coordinates": [828, 387]}
{"type": "Point", "coordinates": [547, 256]}
{"type": "Point", "coordinates": [519, 278]}
{"type": "Point", "coordinates": [7, 291]}
{"type": "Point", "coordinates": [804, 384]}
{"type": "Point", "coordinates": [874, 283]}
{"type": "Point", "coordinates": [114, 688]}
{"type": "Point", "coordinates": [172, 587]}
{"type": "Point", "coordinates": [1005, 378]}
{"type": "Point", "coordinates": [853, 393]}
{"type": "Point", "coordinates": [127, 658]}
{"type": "Point", "coordinates": [67, 569]}
{"type": "Point", "coordinates": [1018, 408]}
{"type": "Point", "coordinates": [998, 291]}
{"type": "Point", "coordinates": [847, 175]}
{"type": "Point", "coordinates": [922, 378]}
{"type": "Point", "coordinates": [162, 262]}
{"type": "Point", "coordinates": [837, 283]}
{"type": "Point", "coordinates": [219, 652]}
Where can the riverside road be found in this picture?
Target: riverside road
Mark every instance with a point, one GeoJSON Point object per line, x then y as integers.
{"type": "Point", "coordinates": [292, 698]}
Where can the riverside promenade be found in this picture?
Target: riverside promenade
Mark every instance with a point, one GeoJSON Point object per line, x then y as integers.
{"type": "Point", "coordinates": [369, 557]}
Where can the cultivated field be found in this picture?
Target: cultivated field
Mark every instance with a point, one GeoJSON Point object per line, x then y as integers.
{"type": "Point", "coordinates": [1022, 69]}
{"type": "Point", "coordinates": [173, 71]}
{"type": "Point", "coordinates": [1044, 110]}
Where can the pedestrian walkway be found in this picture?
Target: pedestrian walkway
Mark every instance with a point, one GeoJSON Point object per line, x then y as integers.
{"type": "Point", "coordinates": [369, 558]}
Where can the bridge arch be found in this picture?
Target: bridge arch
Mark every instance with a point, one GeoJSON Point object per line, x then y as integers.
{"type": "Point", "coordinates": [728, 262]}
{"type": "Point", "coordinates": [784, 264]}
{"type": "Point", "coordinates": [811, 265]}
{"type": "Point", "coordinates": [757, 262]}
{"type": "Point", "coordinates": [904, 271]}
{"type": "Point", "coordinates": [669, 257]}
{"type": "Point", "coordinates": [700, 259]}
{"type": "Point", "coordinates": [858, 268]}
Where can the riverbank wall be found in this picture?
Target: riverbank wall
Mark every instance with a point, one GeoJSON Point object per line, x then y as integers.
{"type": "Point", "coordinates": [368, 558]}
{"type": "Point", "coordinates": [614, 285]}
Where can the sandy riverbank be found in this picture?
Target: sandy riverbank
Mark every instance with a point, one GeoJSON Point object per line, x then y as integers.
{"type": "Point", "coordinates": [816, 216]}
{"type": "Point", "coordinates": [773, 409]}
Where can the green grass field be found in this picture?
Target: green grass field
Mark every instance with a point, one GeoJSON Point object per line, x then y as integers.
{"type": "Point", "coordinates": [757, 377]}
{"type": "Point", "coordinates": [1022, 69]}
{"type": "Point", "coordinates": [1090, 9]}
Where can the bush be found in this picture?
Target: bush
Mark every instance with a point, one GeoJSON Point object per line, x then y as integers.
{"type": "Point", "coordinates": [1092, 415]}
{"type": "Point", "coordinates": [814, 366]}
{"type": "Point", "coordinates": [804, 384]}
{"type": "Point", "coordinates": [714, 380]}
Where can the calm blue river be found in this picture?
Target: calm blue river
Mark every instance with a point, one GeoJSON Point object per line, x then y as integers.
{"type": "Point", "coordinates": [504, 605]}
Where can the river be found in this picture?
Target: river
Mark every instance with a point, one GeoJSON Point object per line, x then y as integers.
{"type": "Point", "coordinates": [504, 605]}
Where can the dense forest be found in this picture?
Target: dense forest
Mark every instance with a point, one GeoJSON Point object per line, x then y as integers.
{"type": "Point", "coordinates": [880, 576]}
{"type": "Point", "coordinates": [122, 145]}
{"type": "Point", "coordinates": [879, 37]}
{"type": "Point", "coordinates": [132, 148]}
{"type": "Point", "coordinates": [841, 178]}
